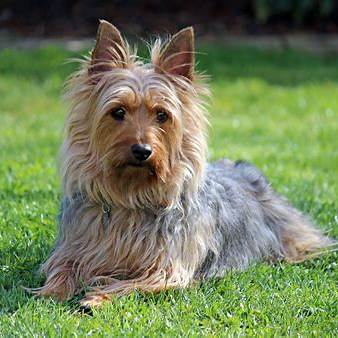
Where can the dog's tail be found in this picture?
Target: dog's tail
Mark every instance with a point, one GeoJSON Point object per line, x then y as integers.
{"type": "Point", "coordinates": [299, 238]}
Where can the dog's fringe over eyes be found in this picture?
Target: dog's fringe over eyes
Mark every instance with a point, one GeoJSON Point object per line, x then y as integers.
{"type": "Point", "coordinates": [159, 216]}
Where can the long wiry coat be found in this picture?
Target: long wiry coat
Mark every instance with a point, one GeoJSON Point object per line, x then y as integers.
{"type": "Point", "coordinates": [181, 221]}
{"type": "Point", "coordinates": [235, 219]}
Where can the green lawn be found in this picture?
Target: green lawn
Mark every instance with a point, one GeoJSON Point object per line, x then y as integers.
{"type": "Point", "coordinates": [276, 109]}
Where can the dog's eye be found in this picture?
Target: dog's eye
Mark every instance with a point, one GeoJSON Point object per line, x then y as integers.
{"type": "Point", "coordinates": [118, 113]}
{"type": "Point", "coordinates": [161, 116]}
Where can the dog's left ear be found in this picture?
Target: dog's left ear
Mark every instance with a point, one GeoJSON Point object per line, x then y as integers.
{"type": "Point", "coordinates": [110, 50]}
{"type": "Point", "coordinates": [177, 57]}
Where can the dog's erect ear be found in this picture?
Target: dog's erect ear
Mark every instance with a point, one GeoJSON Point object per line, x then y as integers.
{"type": "Point", "coordinates": [110, 50]}
{"type": "Point", "coordinates": [177, 57]}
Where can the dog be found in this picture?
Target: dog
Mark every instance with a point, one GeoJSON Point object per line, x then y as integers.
{"type": "Point", "coordinates": [142, 208]}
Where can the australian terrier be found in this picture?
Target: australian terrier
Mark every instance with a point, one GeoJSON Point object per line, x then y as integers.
{"type": "Point", "coordinates": [142, 208]}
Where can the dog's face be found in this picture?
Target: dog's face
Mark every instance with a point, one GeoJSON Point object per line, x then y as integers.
{"type": "Point", "coordinates": [137, 126]}
{"type": "Point", "coordinates": [143, 121]}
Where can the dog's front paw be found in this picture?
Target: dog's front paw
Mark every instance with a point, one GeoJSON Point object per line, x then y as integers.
{"type": "Point", "coordinates": [94, 300]}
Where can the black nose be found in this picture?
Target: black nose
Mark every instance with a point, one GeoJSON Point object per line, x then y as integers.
{"type": "Point", "coordinates": [141, 151]}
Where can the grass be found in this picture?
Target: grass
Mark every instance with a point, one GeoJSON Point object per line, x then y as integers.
{"type": "Point", "coordinates": [276, 109]}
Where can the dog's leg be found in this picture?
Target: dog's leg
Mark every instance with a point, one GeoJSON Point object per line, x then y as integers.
{"type": "Point", "coordinates": [60, 283]}
{"type": "Point", "coordinates": [80, 230]}
{"type": "Point", "coordinates": [156, 282]}
{"type": "Point", "coordinates": [153, 280]}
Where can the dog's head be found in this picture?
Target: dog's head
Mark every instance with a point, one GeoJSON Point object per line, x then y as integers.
{"type": "Point", "coordinates": [136, 131]}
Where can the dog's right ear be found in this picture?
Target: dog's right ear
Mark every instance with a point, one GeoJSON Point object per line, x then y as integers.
{"type": "Point", "coordinates": [110, 50]}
